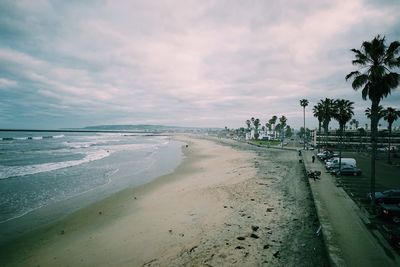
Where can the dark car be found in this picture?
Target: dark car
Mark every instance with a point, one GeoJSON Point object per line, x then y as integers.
{"type": "Point", "coordinates": [346, 170]}
{"type": "Point", "coordinates": [388, 196]}
{"type": "Point", "coordinates": [326, 155]}
{"type": "Point", "coordinates": [390, 211]}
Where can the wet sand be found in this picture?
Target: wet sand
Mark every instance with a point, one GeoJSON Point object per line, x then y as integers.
{"type": "Point", "coordinates": [227, 204]}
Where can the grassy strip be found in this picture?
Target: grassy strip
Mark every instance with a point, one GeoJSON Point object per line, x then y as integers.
{"type": "Point", "coordinates": [265, 142]}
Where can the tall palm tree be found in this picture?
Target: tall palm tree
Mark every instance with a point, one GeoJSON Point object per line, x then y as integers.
{"type": "Point", "coordinates": [256, 123]}
{"type": "Point", "coordinates": [304, 104]}
{"type": "Point", "coordinates": [248, 123]}
{"type": "Point", "coordinates": [390, 115]}
{"type": "Point", "coordinates": [328, 109]}
{"type": "Point", "coordinates": [268, 125]}
{"type": "Point", "coordinates": [288, 131]}
{"type": "Point", "coordinates": [343, 113]}
{"type": "Point", "coordinates": [376, 77]}
{"type": "Point", "coordinates": [282, 122]}
{"type": "Point", "coordinates": [272, 121]}
{"type": "Point", "coordinates": [318, 113]}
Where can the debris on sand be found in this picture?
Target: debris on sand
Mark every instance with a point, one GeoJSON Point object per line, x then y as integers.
{"type": "Point", "coordinates": [254, 228]}
{"type": "Point", "coordinates": [276, 254]}
{"type": "Point", "coordinates": [254, 236]}
{"type": "Point", "coordinates": [192, 249]}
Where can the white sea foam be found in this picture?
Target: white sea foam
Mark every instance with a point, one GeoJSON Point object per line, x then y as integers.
{"type": "Point", "coordinates": [32, 137]}
{"type": "Point", "coordinates": [14, 171]}
{"type": "Point", "coordinates": [20, 138]}
{"type": "Point", "coordinates": [77, 145]}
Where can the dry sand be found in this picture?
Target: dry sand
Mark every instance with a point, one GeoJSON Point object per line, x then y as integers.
{"type": "Point", "coordinates": [227, 204]}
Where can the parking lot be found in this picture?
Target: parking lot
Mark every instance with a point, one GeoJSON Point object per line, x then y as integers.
{"type": "Point", "coordinates": [357, 187]}
{"type": "Point", "coordinates": [387, 176]}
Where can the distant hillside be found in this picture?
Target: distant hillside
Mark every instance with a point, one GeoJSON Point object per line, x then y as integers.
{"type": "Point", "coordinates": [147, 128]}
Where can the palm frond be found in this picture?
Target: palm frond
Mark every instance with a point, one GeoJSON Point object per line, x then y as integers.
{"type": "Point", "coordinates": [377, 70]}
{"type": "Point", "coordinates": [351, 74]}
{"type": "Point", "coordinates": [359, 81]}
{"type": "Point", "coordinates": [365, 91]}
{"type": "Point", "coordinates": [393, 48]}
{"type": "Point", "coordinates": [393, 62]}
{"type": "Point", "coordinates": [359, 62]}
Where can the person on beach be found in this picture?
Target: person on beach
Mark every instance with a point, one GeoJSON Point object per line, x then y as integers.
{"type": "Point", "coordinates": [313, 158]}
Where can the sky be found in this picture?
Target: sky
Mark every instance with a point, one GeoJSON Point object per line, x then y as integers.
{"type": "Point", "coordinates": [183, 63]}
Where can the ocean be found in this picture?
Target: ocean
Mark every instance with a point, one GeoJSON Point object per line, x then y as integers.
{"type": "Point", "coordinates": [53, 174]}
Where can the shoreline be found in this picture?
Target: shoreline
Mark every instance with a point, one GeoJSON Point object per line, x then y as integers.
{"type": "Point", "coordinates": [128, 176]}
{"type": "Point", "coordinates": [209, 205]}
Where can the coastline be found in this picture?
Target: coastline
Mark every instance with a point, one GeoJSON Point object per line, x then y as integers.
{"type": "Point", "coordinates": [216, 208]}
{"type": "Point", "coordinates": [105, 177]}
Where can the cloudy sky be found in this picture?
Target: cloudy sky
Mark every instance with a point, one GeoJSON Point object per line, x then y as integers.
{"type": "Point", "coordinates": [186, 63]}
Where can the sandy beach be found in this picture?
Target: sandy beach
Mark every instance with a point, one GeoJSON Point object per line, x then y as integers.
{"type": "Point", "coordinates": [227, 204]}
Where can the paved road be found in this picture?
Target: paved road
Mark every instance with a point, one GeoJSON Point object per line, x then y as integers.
{"type": "Point", "coordinates": [345, 226]}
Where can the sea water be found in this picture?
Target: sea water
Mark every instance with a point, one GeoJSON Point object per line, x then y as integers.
{"type": "Point", "coordinates": [72, 170]}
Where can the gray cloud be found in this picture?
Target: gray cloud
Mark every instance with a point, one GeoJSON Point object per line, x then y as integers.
{"type": "Point", "coordinates": [75, 63]}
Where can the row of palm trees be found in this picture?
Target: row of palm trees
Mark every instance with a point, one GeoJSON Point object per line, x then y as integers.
{"type": "Point", "coordinates": [338, 109]}
{"type": "Point", "coordinates": [376, 77]}
{"type": "Point", "coordinates": [271, 125]}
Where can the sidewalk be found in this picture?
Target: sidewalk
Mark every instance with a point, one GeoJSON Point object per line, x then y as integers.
{"type": "Point", "coordinates": [349, 242]}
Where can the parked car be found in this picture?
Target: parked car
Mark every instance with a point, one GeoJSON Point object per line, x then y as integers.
{"type": "Point", "coordinates": [346, 170]}
{"type": "Point", "coordinates": [389, 211]}
{"type": "Point", "coordinates": [334, 163]}
{"type": "Point", "coordinates": [326, 155]}
{"type": "Point", "coordinates": [387, 196]}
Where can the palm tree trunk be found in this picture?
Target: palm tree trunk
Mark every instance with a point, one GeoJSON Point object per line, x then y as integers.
{"type": "Point", "coordinates": [374, 131]}
{"type": "Point", "coordinates": [304, 123]}
{"type": "Point", "coordinates": [319, 132]}
{"type": "Point", "coordinates": [340, 147]}
{"type": "Point", "coordinates": [326, 135]}
{"type": "Point", "coordinates": [390, 136]}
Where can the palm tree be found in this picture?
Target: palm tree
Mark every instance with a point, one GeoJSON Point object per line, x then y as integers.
{"type": "Point", "coordinates": [248, 123]}
{"type": "Point", "coordinates": [390, 115]}
{"type": "Point", "coordinates": [282, 122]}
{"type": "Point", "coordinates": [272, 121]}
{"type": "Point", "coordinates": [288, 131]}
{"type": "Point", "coordinates": [256, 123]}
{"type": "Point", "coordinates": [355, 123]}
{"type": "Point", "coordinates": [380, 113]}
{"type": "Point", "coordinates": [343, 113]}
{"type": "Point", "coordinates": [327, 111]}
{"type": "Point", "coordinates": [376, 78]}
{"type": "Point", "coordinates": [268, 125]}
{"type": "Point", "coordinates": [318, 113]}
{"type": "Point", "coordinates": [304, 104]}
